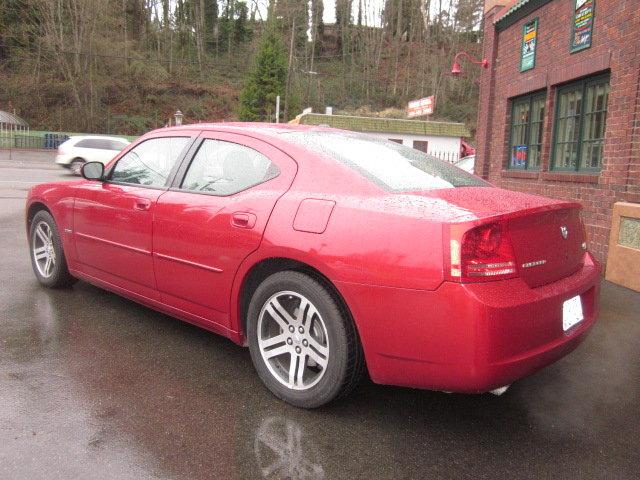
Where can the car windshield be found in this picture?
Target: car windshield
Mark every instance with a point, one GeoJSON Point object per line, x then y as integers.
{"type": "Point", "coordinates": [392, 166]}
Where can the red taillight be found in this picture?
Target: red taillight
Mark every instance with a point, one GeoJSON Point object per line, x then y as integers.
{"type": "Point", "coordinates": [485, 253]}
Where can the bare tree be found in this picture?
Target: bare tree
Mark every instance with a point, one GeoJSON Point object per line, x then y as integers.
{"type": "Point", "coordinates": [68, 31]}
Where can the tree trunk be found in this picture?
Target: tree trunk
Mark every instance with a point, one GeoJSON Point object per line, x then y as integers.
{"type": "Point", "coordinates": [288, 82]}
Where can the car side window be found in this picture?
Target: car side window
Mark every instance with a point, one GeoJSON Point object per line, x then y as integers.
{"type": "Point", "coordinates": [102, 144]}
{"type": "Point", "coordinates": [150, 162]}
{"type": "Point", "coordinates": [86, 143]}
{"type": "Point", "coordinates": [116, 145]}
{"type": "Point", "coordinates": [225, 168]}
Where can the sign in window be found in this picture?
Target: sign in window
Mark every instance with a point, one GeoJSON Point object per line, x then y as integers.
{"type": "Point", "coordinates": [527, 126]}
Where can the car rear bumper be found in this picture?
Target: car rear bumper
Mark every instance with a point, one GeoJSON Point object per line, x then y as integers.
{"type": "Point", "coordinates": [469, 337]}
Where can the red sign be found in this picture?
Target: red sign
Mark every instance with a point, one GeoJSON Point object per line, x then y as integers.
{"type": "Point", "coordinates": [424, 106]}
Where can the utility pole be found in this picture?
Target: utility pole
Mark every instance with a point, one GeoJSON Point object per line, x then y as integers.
{"type": "Point", "coordinates": [278, 109]}
{"type": "Point", "coordinates": [286, 92]}
{"type": "Point", "coordinates": [313, 54]}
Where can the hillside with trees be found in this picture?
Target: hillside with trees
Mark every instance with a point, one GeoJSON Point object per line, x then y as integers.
{"type": "Point", "coordinates": [126, 65]}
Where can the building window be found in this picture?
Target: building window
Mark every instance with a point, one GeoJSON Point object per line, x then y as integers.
{"type": "Point", "coordinates": [396, 140]}
{"type": "Point", "coordinates": [421, 145]}
{"type": "Point", "coordinates": [527, 117]}
{"type": "Point", "coordinates": [580, 124]}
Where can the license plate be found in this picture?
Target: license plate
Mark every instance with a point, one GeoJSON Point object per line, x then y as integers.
{"type": "Point", "coordinates": [571, 312]}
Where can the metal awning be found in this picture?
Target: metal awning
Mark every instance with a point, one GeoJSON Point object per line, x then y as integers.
{"type": "Point", "coordinates": [12, 119]}
{"type": "Point", "coordinates": [518, 11]}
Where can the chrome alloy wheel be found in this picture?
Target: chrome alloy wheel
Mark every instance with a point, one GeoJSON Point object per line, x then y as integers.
{"type": "Point", "coordinates": [76, 167]}
{"type": "Point", "coordinates": [293, 340]}
{"type": "Point", "coordinates": [43, 250]}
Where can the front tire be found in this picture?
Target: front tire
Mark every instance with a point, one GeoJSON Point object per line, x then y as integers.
{"type": "Point", "coordinates": [76, 166]}
{"type": "Point", "coordinates": [47, 257]}
{"type": "Point", "coordinates": [304, 346]}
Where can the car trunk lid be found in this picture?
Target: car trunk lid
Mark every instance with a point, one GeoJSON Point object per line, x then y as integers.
{"type": "Point", "coordinates": [536, 226]}
{"type": "Point", "coordinates": [547, 244]}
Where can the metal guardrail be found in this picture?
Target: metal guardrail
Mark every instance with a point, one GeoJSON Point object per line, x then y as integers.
{"type": "Point", "coordinates": [50, 141]}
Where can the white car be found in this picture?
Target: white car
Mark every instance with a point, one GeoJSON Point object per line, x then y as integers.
{"type": "Point", "coordinates": [77, 150]}
{"type": "Point", "coordinates": [466, 163]}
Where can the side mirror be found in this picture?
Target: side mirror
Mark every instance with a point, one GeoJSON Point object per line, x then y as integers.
{"type": "Point", "coordinates": [92, 171]}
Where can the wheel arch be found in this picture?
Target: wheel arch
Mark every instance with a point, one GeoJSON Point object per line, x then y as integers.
{"type": "Point", "coordinates": [34, 208]}
{"type": "Point", "coordinates": [266, 267]}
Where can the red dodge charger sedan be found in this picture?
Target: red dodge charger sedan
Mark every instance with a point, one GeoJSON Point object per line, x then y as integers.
{"type": "Point", "coordinates": [327, 253]}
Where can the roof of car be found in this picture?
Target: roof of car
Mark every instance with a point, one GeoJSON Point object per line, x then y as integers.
{"type": "Point", "coordinates": [254, 127]}
{"type": "Point", "coordinates": [98, 137]}
{"type": "Point", "coordinates": [267, 132]}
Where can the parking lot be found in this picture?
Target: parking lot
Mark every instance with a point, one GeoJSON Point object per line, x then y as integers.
{"type": "Point", "coordinates": [96, 386]}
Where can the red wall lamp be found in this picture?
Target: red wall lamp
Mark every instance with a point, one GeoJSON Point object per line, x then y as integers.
{"type": "Point", "coordinates": [455, 68]}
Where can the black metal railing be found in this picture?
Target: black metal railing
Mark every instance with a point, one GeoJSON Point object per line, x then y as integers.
{"type": "Point", "coordinates": [50, 141]}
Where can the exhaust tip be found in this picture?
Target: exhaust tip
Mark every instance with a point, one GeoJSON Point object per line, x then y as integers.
{"type": "Point", "coordinates": [499, 391]}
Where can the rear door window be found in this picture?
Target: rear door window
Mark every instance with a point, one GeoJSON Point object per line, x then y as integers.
{"type": "Point", "coordinates": [99, 143]}
{"type": "Point", "coordinates": [102, 144]}
{"type": "Point", "coordinates": [225, 168]}
{"type": "Point", "coordinates": [150, 162]}
{"type": "Point", "coordinates": [87, 143]}
{"type": "Point", "coordinates": [116, 145]}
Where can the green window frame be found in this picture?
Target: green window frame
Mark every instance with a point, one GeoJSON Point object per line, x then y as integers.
{"type": "Point", "coordinates": [580, 125]}
{"type": "Point", "coordinates": [526, 130]}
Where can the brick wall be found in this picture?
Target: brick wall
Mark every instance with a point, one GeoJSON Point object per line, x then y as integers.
{"type": "Point", "coordinates": [615, 48]}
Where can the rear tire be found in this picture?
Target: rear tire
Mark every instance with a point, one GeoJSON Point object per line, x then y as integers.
{"type": "Point", "coordinates": [45, 249]}
{"type": "Point", "coordinates": [303, 345]}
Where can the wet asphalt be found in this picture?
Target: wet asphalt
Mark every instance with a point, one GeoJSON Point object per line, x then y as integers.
{"type": "Point", "coordinates": [96, 386]}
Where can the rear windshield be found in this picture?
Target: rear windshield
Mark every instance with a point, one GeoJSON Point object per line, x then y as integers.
{"type": "Point", "coordinates": [392, 166]}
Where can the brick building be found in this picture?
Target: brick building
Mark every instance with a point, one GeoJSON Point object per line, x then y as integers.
{"type": "Point", "coordinates": [559, 104]}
